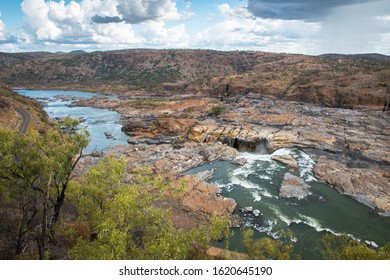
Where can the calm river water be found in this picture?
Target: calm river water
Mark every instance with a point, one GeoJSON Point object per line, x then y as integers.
{"type": "Point", "coordinates": [97, 121]}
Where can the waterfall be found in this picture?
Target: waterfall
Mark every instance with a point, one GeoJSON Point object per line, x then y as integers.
{"type": "Point", "coordinates": [261, 147]}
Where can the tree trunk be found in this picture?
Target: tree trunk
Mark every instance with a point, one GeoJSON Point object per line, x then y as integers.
{"type": "Point", "coordinates": [57, 206]}
{"type": "Point", "coordinates": [20, 241]}
{"type": "Point", "coordinates": [41, 239]}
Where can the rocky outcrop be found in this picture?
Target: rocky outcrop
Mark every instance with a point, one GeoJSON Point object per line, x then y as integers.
{"type": "Point", "coordinates": [205, 175]}
{"type": "Point", "coordinates": [240, 161]}
{"type": "Point", "coordinates": [166, 159]}
{"type": "Point", "coordinates": [176, 135]}
{"type": "Point", "coordinates": [204, 197]}
{"type": "Point", "coordinates": [193, 155]}
{"type": "Point", "coordinates": [235, 136]}
{"type": "Point", "coordinates": [286, 159]}
{"type": "Point", "coordinates": [370, 186]}
{"type": "Point", "coordinates": [294, 187]}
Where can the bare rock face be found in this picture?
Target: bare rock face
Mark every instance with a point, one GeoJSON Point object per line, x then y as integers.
{"type": "Point", "coordinates": [367, 185]}
{"type": "Point", "coordinates": [205, 198]}
{"type": "Point", "coordinates": [287, 159]}
{"type": "Point", "coordinates": [205, 175]}
{"type": "Point", "coordinates": [211, 132]}
{"type": "Point", "coordinates": [357, 140]}
{"type": "Point", "coordinates": [294, 187]}
{"type": "Point", "coordinates": [165, 159]}
{"type": "Point", "coordinates": [193, 155]}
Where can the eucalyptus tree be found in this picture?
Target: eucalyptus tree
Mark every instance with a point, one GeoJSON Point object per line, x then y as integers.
{"type": "Point", "coordinates": [35, 171]}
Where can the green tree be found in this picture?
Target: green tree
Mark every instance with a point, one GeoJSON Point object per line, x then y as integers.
{"type": "Point", "coordinates": [265, 248]}
{"type": "Point", "coordinates": [128, 224]}
{"type": "Point", "coordinates": [35, 171]}
{"type": "Point", "coordinates": [344, 248]}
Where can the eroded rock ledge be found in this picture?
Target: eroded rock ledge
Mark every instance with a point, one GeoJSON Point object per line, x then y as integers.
{"type": "Point", "coordinates": [355, 143]}
{"type": "Point", "coordinates": [370, 186]}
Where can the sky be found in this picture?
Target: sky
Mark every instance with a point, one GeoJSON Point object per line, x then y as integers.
{"type": "Point", "coordinates": [289, 26]}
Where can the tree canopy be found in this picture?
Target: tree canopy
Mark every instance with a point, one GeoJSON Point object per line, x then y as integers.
{"type": "Point", "coordinates": [35, 170]}
{"type": "Point", "coordinates": [126, 222]}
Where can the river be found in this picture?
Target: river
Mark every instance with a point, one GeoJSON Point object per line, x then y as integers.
{"type": "Point", "coordinates": [97, 121]}
{"type": "Point", "coordinates": [255, 184]}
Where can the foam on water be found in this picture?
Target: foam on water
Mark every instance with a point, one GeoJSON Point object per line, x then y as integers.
{"type": "Point", "coordinates": [264, 177]}
{"type": "Point", "coordinates": [306, 164]}
{"type": "Point", "coordinates": [265, 193]}
{"type": "Point", "coordinates": [255, 157]}
{"type": "Point", "coordinates": [279, 214]}
{"type": "Point", "coordinates": [318, 227]}
{"type": "Point", "coordinates": [226, 187]}
{"type": "Point", "coordinates": [244, 171]}
{"type": "Point", "coordinates": [256, 196]}
{"type": "Point", "coordinates": [303, 219]}
{"type": "Point", "coordinates": [243, 183]}
{"type": "Point", "coordinates": [282, 151]}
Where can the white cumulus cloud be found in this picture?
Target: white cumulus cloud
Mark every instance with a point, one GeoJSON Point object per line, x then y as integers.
{"type": "Point", "coordinates": [137, 11]}
{"type": "Point", "coordinates": [157, 35]}
{"type": "Point", "coordinates": [114, 23]}
{"type": "Point", "coordinates": [2, 30]}
{"type": "Point", "coordinates": [241, 30]}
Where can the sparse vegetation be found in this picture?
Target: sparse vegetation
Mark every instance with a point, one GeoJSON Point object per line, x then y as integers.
{"type": "Point", "coordinates": [217, 110]}
{"type": "Point", "coordinates": [298, 77]}
{"type": "Point", "coordinates": [148, 102]}
{"type": "Point", "coordinates": [266, 248]}
{"type": "Point", "coordinates": [345, 248]}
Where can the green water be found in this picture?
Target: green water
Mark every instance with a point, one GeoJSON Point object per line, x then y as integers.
{"type": "Point", "coordinates": [257, 184]}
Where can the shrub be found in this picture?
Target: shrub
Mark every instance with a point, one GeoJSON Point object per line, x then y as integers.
{"type": "Point", "coordinates": [218, 110]}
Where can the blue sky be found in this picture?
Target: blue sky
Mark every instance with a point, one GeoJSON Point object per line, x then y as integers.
{"type": "Point", "coordinates": [289, 26]}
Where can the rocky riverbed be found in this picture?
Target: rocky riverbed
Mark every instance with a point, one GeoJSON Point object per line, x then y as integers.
{"type": "Point", "coordinates": [351, 147]}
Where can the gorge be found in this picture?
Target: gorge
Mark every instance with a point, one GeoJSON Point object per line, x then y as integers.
{"type": "Point", "coordinates": [270, 144]}
{"type": "Point", "coordinates": [292, 146]}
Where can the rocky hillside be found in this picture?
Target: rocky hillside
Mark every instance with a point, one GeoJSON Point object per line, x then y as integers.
{"type": "Point", "coordinates": [10, 106]}
{"type": "Point", "coordinates": [331, 80]}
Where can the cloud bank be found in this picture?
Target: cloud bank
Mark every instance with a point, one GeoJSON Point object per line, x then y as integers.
{"type": "Point", "coordinates": [311, 10]}
{"type": "Point", "coordinates": [110, 22]}
{"type": "Point", "coordinates": [239, 29]}
{"type": "Point", "coordinates": [293, 26]}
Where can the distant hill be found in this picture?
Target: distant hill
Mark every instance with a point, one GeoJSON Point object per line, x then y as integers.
{"type": "Point", "coordinates": [77, 52]}
{"type": "Point", "coordinates": [368, 56]}
{"type": "Point", "coordinates": [331, 79]}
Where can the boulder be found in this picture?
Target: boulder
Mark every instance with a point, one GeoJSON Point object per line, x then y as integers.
{"type": "Point", "coordinates": [256, 213]}
{"type": "Point", "coordinates": [205, 198]}
{"type": "Point", "coordinates": [286, 159]}
{"type": "Point", "coordinates": [96, 154]}
{"type": "Point", "coordinates": [294, 187]}
{"type": "Point", "coordinates": [132, 141]}
{"type": "Point", "coordinates": [248, 209]}
{"type": "Point", "coordinates": [205, 175]}
{"type": "Point", "coordinates": [239, 161]}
